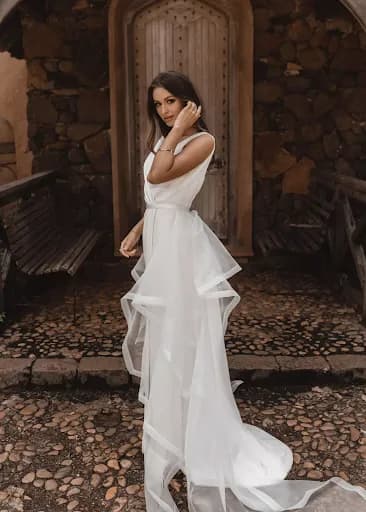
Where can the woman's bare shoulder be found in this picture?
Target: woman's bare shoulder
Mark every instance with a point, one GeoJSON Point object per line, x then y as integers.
{"type": "Point", "coordinates": [202, 139]}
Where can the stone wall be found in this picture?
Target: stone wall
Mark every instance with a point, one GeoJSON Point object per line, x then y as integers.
{"type": "Point", "coordinates": [310, 108]}
{"type": "Point", "coordinates": [68, 108]}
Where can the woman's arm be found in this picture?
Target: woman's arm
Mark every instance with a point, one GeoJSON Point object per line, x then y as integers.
{"type": "Point", "coordinates": [139, 227]}
{"type": "Point", "coordinates": [129, 243]}
{"type": "Point", "coordinates": [166, 166]}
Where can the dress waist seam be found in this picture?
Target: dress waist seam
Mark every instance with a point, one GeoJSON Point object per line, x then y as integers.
{"type": "Point", "coordinates": [171, 206]}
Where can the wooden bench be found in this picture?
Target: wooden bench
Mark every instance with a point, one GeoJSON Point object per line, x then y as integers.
{"type": "Point", "coordinates": [38, 243]}
{"type": "Point", "coordinates": [5, 261]}
{"type": "Point", "coordinates": [305, 233]}
{"type": "Point", "coordinates": [349, 226]}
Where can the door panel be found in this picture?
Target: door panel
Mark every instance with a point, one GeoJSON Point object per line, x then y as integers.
{"type": "Point", "coordinates": [191, 37]}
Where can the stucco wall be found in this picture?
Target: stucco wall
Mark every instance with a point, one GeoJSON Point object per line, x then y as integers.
{"type": "Point", "coordinates": [13, 108]}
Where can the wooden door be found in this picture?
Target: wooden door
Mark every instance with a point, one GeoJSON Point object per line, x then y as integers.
{"type": "Point", "coordinates": [191, 37]}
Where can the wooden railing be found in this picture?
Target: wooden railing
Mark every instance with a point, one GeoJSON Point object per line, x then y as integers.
{"type": "Point", "coordinates": [350, 189]}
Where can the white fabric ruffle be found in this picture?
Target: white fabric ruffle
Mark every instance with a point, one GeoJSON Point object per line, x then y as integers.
{"type": "Point", "coordinates": [177, 313]}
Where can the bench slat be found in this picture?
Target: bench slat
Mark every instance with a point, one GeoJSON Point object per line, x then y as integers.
{"type": "Point", "coordinates": [30, 242]}
{"type": "Point", "coordinates": [22, 207]}
{"type": "Point", "coordinates": [72, 269]}
{"type": "Point", "coordinates": [54, 262]}
{"type": "Point", "coordinates": [21, 244]}
{"type": "Point", "coordinates": [30, 218]}
{"type": "Point", "coordinates": [38, 244]}
{"type": "Point", "coordinates": [5, 261]}
{"type": "Point", "coordinates": [71, 256]}
{"type": "Point", "coordinates": [27, 262]}
{"type": "Point", "coordinates": [40, 257]}
{"type": "Point", "coordinates": [73, 250]}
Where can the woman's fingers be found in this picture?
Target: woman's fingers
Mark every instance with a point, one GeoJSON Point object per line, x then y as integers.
{"type": "Point", "coordinates": [126, 249]}
{"type": "Point", "coordinates": [192, 108]}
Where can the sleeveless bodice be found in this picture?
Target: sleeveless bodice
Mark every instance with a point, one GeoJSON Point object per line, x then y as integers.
{"type": "Point", "coordinates": [182, 190]}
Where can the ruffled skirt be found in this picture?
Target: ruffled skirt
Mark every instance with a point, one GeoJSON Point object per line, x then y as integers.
{"type": "Point", "coordinates": [177, 313]}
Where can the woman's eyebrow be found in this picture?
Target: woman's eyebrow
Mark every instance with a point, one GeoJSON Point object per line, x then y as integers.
{"type": "Point", "coordinates": [166, 98]}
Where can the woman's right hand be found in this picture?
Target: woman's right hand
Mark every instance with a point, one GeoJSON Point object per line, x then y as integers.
{"type": "Point", "coordinates": [129, 243]}
{"type": "Point", "coordinates": [188, 116]}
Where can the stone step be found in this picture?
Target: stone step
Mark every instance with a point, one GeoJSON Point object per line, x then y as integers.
{"type": "Point", "coordinates": [111, 371]}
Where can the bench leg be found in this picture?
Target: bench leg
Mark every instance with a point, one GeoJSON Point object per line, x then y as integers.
{"type": "Point", "coordinates": [74, 292]}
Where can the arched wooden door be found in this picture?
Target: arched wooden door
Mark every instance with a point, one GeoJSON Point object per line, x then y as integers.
{"type": "Point", "coordinates": [191, 37]}
{"type": "Point", "coordinates": [212, 42]}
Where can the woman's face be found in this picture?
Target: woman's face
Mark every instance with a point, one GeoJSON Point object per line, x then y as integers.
{"type": "Point", "coordinates": [167, 105]}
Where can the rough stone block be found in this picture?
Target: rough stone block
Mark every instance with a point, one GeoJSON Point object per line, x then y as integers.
{"type": "Point", "coordinates": [355, 100]}
{"type": "Point", "coordinates": [93, 107]}
{"type": "Point", "coordinates": [80, 131]}
{"type": "Point", "coordinates": [288, 363]}
{"type": "Point", "coordinates": [41, 40]}
{"type": "Point", "coordinates": [37, 75]}
{"type": "Point", "coordinates": [342, 363]}
{"type": "Point", "coordinates": [97, 149]}
{"type": "Point", "coordinates": [298, 105]}
{"type": "Point", "coordinates": [14, 372]}
{"type": "Point", "coordinates": [262, 19]}
{"type": "Point", "coordinates": [349, 59]}
{"type": "Point", "coordinates": [267, 92]}
{"type": "Point", "coordinates": [53, 372]}
{"type": "Point", "coordinates": [252, 367]}
{"type": "Point", "coordinates": [332, 144]}
{"type": "Point", "coordinates": [249, 362]}
{"type": "Point", "coordinates": [287, 7]}
{"type": "Point", "coordinates": [299, 31]}
{"type": "Point", "coordinates": [312, 58]}
{"type": "Point", "coordinates": [266, 43]}
{"type": "Point", "coordinates": [282, 162]}
{"type": "Point", "coordinates": [41, 109]}
{"type": "Point", "coordinates": [296, 180]}
{"type": "Point", "coordinates": [108, 370]}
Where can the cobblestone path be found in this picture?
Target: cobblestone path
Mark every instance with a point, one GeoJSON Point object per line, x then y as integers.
{"type": "Point", "coordinates": [81, 451]}
{"type": "Point", "coordinates": [280, 313]}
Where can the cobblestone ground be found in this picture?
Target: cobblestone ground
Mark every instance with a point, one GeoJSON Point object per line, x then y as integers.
{"type": "Point", "coordinates": [280, 313]}
{"type": "Point", "coordinates": [82, 451]}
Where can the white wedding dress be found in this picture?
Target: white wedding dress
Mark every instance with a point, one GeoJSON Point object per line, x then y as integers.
{"type": "Point", "coordinates": [177, 312]}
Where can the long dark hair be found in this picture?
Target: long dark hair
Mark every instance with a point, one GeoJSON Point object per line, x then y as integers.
{"type": "Point", "coordinates": [178, 85]}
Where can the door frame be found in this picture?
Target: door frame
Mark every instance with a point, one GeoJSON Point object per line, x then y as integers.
{"type": "Point", "coordinates": [124, 180]}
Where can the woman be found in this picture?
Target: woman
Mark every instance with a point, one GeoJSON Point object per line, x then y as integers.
{"type": "Point", "coordinates": [177, 313]}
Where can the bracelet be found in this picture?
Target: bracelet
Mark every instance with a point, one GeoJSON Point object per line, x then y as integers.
{"type": "Point", "coordinates": [167, 149]}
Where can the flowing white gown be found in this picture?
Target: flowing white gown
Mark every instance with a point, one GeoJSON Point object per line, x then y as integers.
{"type": "Point", "coordinates": [177, 313]}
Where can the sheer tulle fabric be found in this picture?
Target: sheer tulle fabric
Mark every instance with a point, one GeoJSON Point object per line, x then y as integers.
{"type": "Point", "coordinates": [177, 313]}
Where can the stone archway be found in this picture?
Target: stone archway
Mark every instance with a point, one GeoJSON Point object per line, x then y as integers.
{"type": "Point", "coordinates": [240, 16]}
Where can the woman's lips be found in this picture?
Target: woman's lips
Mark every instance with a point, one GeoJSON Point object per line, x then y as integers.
{"type": "Point", "coordinates": [168, 118]}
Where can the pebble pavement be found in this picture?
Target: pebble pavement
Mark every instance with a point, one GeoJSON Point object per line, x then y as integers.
{"type": "Point", "coordinates": [280, 314]}
{"type": "Point", "coordinates": [81, 451]}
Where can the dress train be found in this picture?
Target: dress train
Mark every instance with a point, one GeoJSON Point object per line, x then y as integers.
{"type": "Point", "coordinates": [177, 313]}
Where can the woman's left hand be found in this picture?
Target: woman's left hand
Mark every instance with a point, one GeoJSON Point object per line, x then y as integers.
{"type": "Point", "coordinates": [187, 116]}
{"type": "Point", "coordinates": [129, 244]}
